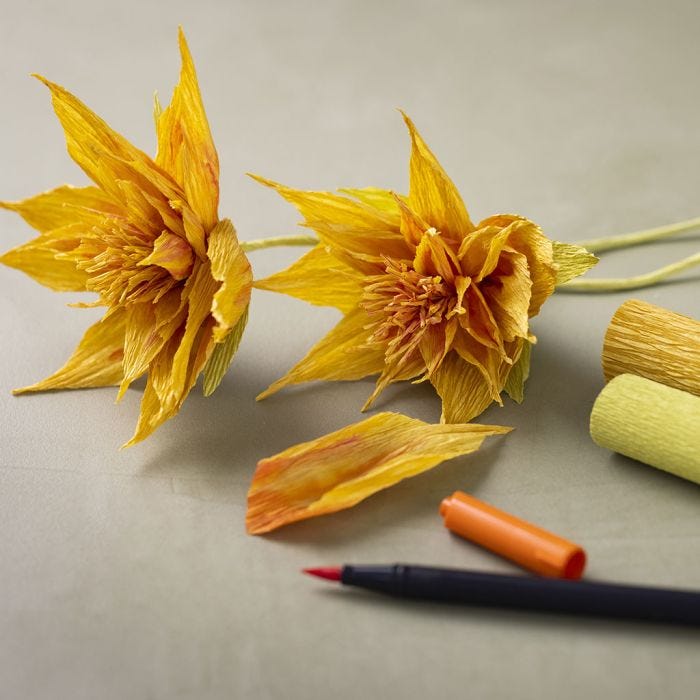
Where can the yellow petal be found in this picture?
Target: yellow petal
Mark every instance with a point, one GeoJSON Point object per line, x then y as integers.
{"type": "Point", "coordinates": [384, 200]}
{"type": "Point", "coordinates": [161, 400]}
{"type": "Point", "coordinates": [463, 390]}
{"type": "Point", "coordinates": [346, 224]}
{"type": "Point", "coordinates": [434, 256]}
{"type": "Point", "coordinates": [47, 259]}
{"type": "Point", "coordinates": [485, 359]}
{"type": "Point", "coordinates": [436, 343]}
{"type": "Point", "coordinates": [338, 470]}
{"type": "Point", "coordinates": [156, 405]}
{"type": "Point", "coordinates": [327, 206]}
{"type": "Point", "coordinates": [411, 224]}
{"type": "Point", "coordinates": [480, 253]}
{"type": "Point", "coordinates": [173, 254]}
{"type": "Point", "coordinates": [508, 295]}
{"type": "Point", "coordinates": [529, 240]}
{"type": "Point", "coordinates": [229, 266]}
{"type": "Point", "coordinates": [222, 356]}
{"type": "Point", "coordinates": [199, 292]}
{"type": "Point", "coordinates": [319, 278]}
{"type": "Point", "coordinates": [185, 146]}
{"type": "Point", "coordinates": [432, 194]}
{"type": "Point", "coordinates": [409, 366]}
{"type": "Point", "coordinates": [104, 155]}
{"type": "Point", "coordinates": [139, 207]}
{"type": "Point", "coordinates": [341, 355]}
{"type": "Point", "coordinates": [64, 206]}
{"type": "Point", "coordinates": [479, 321]}
{"type": "Point", "coordinates": [571, 261]}
{"type": "Point", "coordinates": [515, 383]}
{"type": "Point", "coordinates": [148, 327]}
{"type": "Point", "coordinates": [97, 361]}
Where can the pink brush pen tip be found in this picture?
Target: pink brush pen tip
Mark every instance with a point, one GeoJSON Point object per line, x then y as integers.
{"type": "Point", "coordinates": [331, 573]}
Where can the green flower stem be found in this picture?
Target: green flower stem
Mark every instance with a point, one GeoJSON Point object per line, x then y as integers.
{"type": "Point", "coordinates": [645, 280]}
{"type": "Point", "coordinates": [598, 245]}
{"type": "Point", "coordinates": [260, 243]}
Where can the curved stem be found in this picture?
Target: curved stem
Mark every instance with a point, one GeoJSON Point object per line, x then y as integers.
{"type": "Point", "coordinates": [598, 245]}
{"type": "Point", "coordinates": [646, 280]}
{"type": "Point", "coordinates": [260, 243]}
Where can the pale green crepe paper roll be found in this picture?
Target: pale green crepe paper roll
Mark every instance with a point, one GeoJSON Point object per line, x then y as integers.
{"type": "Point", "coordinates": [650, 422]}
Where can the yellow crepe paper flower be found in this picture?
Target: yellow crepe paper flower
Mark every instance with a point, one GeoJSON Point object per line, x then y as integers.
{"type": "Point", "coordinates": [426, 294]}
{"type": "Point", "coordinates": [340, 469]}
{"type": "Point", "coordinates": [148, 240]}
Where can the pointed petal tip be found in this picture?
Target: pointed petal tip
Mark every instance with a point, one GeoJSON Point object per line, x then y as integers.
{"type": "Point", "coordinates": [267, 392]}
{"type": "Point", "coordinates": [50, 85]}
{"type": "Point", "coordinates": [182, 43]}
{"type": "Point", "coordinates": [409, 124]}
{"type": "Point", "coordinates": [252, 529]}
{"type": "Point", "coordinates": [264, 181]}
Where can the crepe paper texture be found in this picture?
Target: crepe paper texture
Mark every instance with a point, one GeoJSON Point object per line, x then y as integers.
{"type": "Point", "coordinates": [147, 238]}
{"type": "Point", "coordinates": [654, 343]}
{"type": "Point", "coordinates": [340, 469]}
{"type": "Point", "coordinates": [426, 293]}
{"type": "Point", "coordinates": [649, 422]}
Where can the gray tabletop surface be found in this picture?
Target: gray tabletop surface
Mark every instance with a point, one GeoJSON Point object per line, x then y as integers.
{"type": "Point", "coordinates": [128, 574]}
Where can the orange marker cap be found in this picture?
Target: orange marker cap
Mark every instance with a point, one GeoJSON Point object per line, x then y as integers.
{"type": "Point", "coordinates": [515, 539]}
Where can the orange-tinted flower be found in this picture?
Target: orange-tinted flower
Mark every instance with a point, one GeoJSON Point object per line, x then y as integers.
{"type": "Point", "coordinates": [146, 237]}
{"type": "Point", "coordinates": [426, 294]}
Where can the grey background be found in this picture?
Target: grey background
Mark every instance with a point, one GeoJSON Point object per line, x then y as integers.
{"type": "Point", "coordinates": [129, 574]}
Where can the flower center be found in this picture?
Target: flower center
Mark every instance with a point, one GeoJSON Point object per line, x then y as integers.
{"type": "Point", "coordinates": [125, 265]}
{"type": "Point", "coordinates": [403, 304]}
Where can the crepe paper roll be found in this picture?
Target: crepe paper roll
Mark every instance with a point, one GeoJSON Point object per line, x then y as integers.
{"type": "Point", "coordinates": [654, 343]}
{"type": "Point", "coordinates": [649, 422]}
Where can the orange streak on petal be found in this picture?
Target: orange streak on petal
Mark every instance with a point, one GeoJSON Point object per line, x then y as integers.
{"type": "Point", "coordinates": [340, 469]}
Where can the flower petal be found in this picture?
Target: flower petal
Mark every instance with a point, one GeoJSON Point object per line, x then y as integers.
{"type": "Point", "coordinates": [319, 278]}
{"type": "Point", "coordinates": [571, 261]}
{"type": "Point", "coordinates": [345, 224]}
{"type": "Point", "coordinates": [97, 361]}
{"type": "Point", "coordinates": [156, 405]}
{"type": "Point", "coordinates": [508, 293]}
{"type": "Point", "coordinates": [229, 266]}
{"type": "Point", "coordinates": [338, 470]}
{"type": "Point", "coordinates": [47, 259]}
{"type": "Point", "coordinates": [528, 239]}
{"type": "Point", "coordinates": [199, 291]}
{"type": "Point", "coordinates": [172, 253]}
{"type": "Point", "coordinates": [412, 225]}
{"type": "Point", "coordinates": [434, 256]}
{"type": "Point", "coordinates": [432, 194]}
{"type": "Point", "coordinates": [104, 155]}
{"type": "Point", "coordinates": [341, 355]}
{"type": "Point", "coordinates": [515, 383]}
{"type": "Point", "coordinates": [464, 391]}
{"type": "Point", "coordinates": [221, 357]}
{"type": "Point", "coordinates": [486, 360]}
{"type": "Point", "coordinates": [185, 146]}
{"type": "Point", "coordinates": [64, 206]}
{"type": "Point", "coordinates": [384, 200]}
{"type": "Point", "coordinates": [149, 326]}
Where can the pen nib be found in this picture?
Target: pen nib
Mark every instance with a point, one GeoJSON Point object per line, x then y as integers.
{"type": "Point", "coordinates": [332, 573]}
